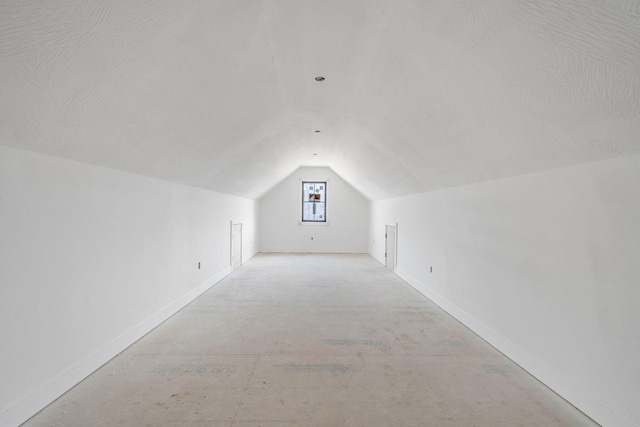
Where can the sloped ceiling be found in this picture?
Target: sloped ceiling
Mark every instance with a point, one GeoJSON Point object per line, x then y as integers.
{"type": "Point", "coordinates": [418, 96]}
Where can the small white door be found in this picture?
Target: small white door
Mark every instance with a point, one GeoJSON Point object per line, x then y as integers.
{"type": "Point", "coordinates": [390, 247]}
{"type": "Point", "coordinates": [236, 246]}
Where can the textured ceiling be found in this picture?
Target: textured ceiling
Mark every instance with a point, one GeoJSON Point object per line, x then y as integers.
{"type": "Point", "coordinates": [419, 95]}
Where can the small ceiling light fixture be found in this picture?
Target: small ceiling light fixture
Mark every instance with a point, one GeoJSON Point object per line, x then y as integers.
{"type": "Point", "coordinates": [319, 79]}
{"type": "Point", "coordinates": [315, 154]}
{"type": "Point", "coordinates": [317, 131]}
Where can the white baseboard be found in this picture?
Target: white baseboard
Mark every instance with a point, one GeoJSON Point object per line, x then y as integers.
{"type": "Point", "coordinates": [31, 404]}
{"type": "Point", "coordinates": [249, 257]}
{"type": "Point", "coordinates": [595, 408]}
{"type": "Point", "coordinates": [315, 251]}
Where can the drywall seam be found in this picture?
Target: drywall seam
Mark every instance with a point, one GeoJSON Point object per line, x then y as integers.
{"type": "Point", "coordinates": [582, 399]}
{"type": "Point", "coordinates": [31, 404]}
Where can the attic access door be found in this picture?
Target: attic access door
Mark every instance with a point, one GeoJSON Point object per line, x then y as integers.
{"type": "Point", "coordinates": [390, 247]}
{"type": "Point", "coordinates": [236, 246]}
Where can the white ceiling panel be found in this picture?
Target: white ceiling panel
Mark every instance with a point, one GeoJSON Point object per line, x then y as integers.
{"type": "Point", "coordinates": [418, 96]}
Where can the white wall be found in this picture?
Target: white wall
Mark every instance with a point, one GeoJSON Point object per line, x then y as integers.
{"type": "Point", "coordinates": [544, 266]}
{"type": "Point", "coordinates": [91, 259]}
{"type": "Point", "coordinates": [280, 216]}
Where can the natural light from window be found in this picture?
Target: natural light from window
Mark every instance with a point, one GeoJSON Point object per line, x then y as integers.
{"type": "Point", "coordinates": [314, 201]}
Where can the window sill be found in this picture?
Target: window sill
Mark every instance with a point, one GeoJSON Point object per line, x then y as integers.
{"type": "Point", "coordinates": [314, 224]}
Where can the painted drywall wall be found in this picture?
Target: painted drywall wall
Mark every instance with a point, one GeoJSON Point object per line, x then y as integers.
{"type": "Point", "coordinates": [91, 259]}
{"type": "Point", "coordinates": [281, 229]}
{"type": "Point", "coordinates": [544, 266]}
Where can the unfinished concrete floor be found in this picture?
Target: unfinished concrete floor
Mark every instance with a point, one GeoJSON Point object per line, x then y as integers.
{"type": "Point", "coordinates": [311, 340]}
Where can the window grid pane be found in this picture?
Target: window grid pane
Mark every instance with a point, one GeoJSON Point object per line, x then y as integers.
{"type": "Point", "coordinates": [314, 201]}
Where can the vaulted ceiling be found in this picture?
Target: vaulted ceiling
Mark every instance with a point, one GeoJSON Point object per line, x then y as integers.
{"type": "Point", "coordinates": [418, 95]}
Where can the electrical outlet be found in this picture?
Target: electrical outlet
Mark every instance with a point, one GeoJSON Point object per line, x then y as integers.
{"type": "Point", "coordinates": [198, 266]}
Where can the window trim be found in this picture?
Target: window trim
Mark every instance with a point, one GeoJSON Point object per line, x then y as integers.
{"type": "Point", "coordinates": [302, 204]}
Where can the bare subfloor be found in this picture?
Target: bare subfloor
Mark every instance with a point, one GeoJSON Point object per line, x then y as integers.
{"type": "Point", "coordinates": [311, 340]}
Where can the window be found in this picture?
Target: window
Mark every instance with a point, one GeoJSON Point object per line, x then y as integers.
{"type": "Point", "coordinates": [314, 201]}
